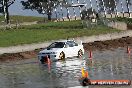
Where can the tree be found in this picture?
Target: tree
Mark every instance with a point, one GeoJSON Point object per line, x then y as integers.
{"type": "Point", "coordinates": [42, 6]}
{"type": "Point", "coordinates": [88, 14]}
{"type": "Point", "coordinates": [110, 5]}
{"type": "Point", "coordinates": [128, 2]}
{"type": "Point", "coordinates": [4, 5]}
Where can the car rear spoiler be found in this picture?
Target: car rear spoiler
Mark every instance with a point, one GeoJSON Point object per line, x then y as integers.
{"type": "Point", "coordinates": [81, 43]}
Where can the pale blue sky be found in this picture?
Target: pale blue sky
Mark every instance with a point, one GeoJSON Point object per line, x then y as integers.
{"type": "Point", "coordinates": [16, 9]}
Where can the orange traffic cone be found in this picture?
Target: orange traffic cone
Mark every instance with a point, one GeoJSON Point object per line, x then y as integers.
{"type": "Point", "coordinates": [48, 60]}
{"type": "Point", "coordinates": [90, 54]}
{"type": "Point", "coordinates": [84, 73]}
{"type": "Point", "coordinates": [128, 50]}
{"type": "Point", "coordinates": [84, 80]}
{"type": "Point", "coordinates": [49, 63]}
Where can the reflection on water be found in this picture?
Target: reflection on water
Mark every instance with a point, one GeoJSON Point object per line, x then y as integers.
{"type": "Point", "coordinates": [112, 65]}
{"type": "Point", "coordinates": [107, 64]}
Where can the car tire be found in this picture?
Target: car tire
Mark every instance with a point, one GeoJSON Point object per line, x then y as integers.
{"type": "Point", "coordinates": [80, 53]}
{"type": "Point", "coordinates": [62, 56]}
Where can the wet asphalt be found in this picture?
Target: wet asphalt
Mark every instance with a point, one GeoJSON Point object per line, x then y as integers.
{"type": "Point", "coordinates": [105, 64]}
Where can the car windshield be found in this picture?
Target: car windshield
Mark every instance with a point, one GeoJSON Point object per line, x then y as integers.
{"type": "Point", "coordinates": [57, 45]}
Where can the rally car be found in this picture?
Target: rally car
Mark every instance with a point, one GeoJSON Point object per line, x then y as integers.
{"type": "Point", "coordinates": [61, 50]}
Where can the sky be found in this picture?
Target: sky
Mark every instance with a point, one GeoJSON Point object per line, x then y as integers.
{"type": "Point", "coordinates": [16, 9]}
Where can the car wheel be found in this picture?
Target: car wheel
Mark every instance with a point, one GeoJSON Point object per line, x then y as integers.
{"type": "Point", "coordinates": [62, 56]}
{"type": "Point", "coordinates": [80, 53]}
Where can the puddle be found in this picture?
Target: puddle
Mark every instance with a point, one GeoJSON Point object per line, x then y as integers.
{"type": "Point", "coordinates": [107, 64]}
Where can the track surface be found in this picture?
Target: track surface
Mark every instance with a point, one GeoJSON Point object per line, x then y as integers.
{"type": "Point", "coordinates": [28, 73]}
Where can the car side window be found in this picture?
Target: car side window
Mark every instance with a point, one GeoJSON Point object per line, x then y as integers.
{"type": "Point", "coordinates": [57, 45]}
{"type": "Point", "coordinates": [75, 44]}
{"type": "Point", "coordinates": [69, 44]}
{"type": "Point", "coordinates": [72, 43]}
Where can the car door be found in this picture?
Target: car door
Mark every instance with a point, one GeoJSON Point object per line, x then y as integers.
{"type": "Point", "coordinates": [72, 48]}
{"type": "Point", "coordinates": [75, 48]}
{"type": "Point", "coordinates": [69, 49]}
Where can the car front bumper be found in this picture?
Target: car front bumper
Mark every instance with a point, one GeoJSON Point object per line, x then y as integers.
{"type": "Point", "coordinates": [50, 56]}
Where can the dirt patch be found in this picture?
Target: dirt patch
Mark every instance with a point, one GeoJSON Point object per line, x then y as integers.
{"type": "Point", "coordinates": [97, 45]}
{"type": "Point", "coordinates": [19, 56]}
{"type": "Point", "coordinates": [101, 45]}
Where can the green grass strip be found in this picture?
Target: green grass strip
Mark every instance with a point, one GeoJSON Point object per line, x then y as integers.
{"type": "Point", "coordinates": [26, 36]}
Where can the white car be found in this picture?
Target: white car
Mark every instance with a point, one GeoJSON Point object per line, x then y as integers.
{"type": "Point", "coordinates": [61, 50]}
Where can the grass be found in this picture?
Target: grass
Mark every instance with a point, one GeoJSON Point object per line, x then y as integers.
{"type": "Point", "coordinates": [46, 32]}
{"type": "Point", "coordinates": [56, 25]}
{"type": "Point", "coordinates": [123, 19]}
{"type": "Point", "coordinates": [20, 19]}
